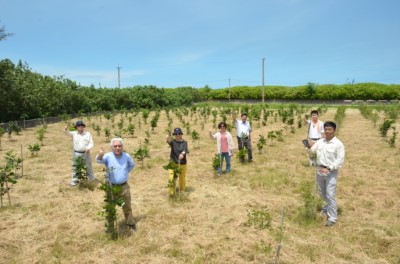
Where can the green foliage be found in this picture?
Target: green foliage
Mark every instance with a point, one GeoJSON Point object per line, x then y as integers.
{"type": "Point", "coordinates": [13, 127]}
{"type": "Point", "coordinates": [311, 89]}
{"type": "Point", "coordinates": [393, 138]}
{"type": "Point", "coordinates": [119, 133]}
{"type": "Point", "coordinates": [154, 120]}
{"type": "Point", "coordinates": [172, 166]}
{"type": "Point", "coordinates": [8, 174]}
{"type": "Point", "coordinates": [290, 122]}
{"type": "Point", "coordinates": [120, 124]}
{"type": "Point", "coordinates": [271, 135]}
{"type": "Point", "coordinates": [176, 170]}
{"type": "Point", "coordinates": [4, 34]}
{"type": "Point", "coordinates": [65, 118]}
{"type": "Point", "coordinates": [109, 208]}
{"type": "Point", "coordinates": [107, 116]}
{"type": "Point", "coordinates": [264, 248]}
{"type": "Point", "coordinates": [392, 111]}
{"type": "Point", "coordinates": [261, 143]}
{"type": "Point", "coordinates": [242, 153]}
{"type": "Point", "coordinates": [141, 154]}
{"type": "Point", "coordinates": [131, 129]}
{"type": "Point", "coordinates": [80, 171]}
{"type": "Point", "coordinates": [107, 133]}
{"type": "Point", "coordinates": [145, 115]}
{"type": "Point", "coordinates": [259, 219]}
{"type": "Point", "coordinates": [34, 149]}
{"type": "Point", "coordinates": [308, 213]}
{"type": "Point", "coordinates": [384, 128]}
{"type": "Point", "coordinates": [1, 134]}
{"type": "Point", "coordinates": [147, 138]}
{"type": "Point", "coordinates": [195, 136]}
{"type": "Point", "coordinates": [25, 93]}
{"type": "Point", "coordinates": [339, 117]}
{"type": "Point", "coordinates": [97, 129]}
{"type": "Point", "coordinates": [40, 134]}
{"type": "Point", "coordinates": [216, 161]}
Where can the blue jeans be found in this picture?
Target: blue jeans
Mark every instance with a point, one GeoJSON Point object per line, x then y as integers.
{"type": "Point", "coordinates": [228, 162]}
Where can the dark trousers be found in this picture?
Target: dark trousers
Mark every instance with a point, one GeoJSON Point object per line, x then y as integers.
{"type": "Point", "coordinates": [125, 194]}
{"type": "Point", "coordinates": [245, 142]}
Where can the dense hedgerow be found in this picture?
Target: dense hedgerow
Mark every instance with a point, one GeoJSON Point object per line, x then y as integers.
{"type": "Point", "coordinates": [26, 94]}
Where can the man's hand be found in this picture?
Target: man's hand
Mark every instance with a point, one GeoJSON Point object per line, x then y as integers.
{"type": "Point", "coordinates": [65, 128]}
{"type": "Point", "coordinates": [324, 171]}
{"type": "Point", "coordinates": [100, 154]}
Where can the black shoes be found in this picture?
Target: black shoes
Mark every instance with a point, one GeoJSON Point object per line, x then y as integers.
{"type": "Point", "coordinates": [132, 227]}
{"type": "Point", "coordinates": [330, 223]}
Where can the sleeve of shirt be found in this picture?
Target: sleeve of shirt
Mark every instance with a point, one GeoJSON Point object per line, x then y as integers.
{"type": "Point", "coordinates": [91, 144]}
{"type": "Point", "coordinates": [186, 147]}
{"type": "Point", "coordinates": [322, 127]}
{"type": "Point", "coordinates": [131, 163]}
{"type": "Point", "coordinates": [230, 143]}
{"type": "Point", "coordinates": [102, 161]}
{"type": "Point", "coordinates": [338, 163]}
{"type": "Point", "coordinates": [314, 148]}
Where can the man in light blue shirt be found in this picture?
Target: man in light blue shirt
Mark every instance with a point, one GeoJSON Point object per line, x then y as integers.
{"type": "Point", "coordinates": [118, 165]}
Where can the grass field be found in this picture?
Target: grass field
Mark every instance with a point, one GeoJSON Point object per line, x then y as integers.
{"type": "Point", "coordinates": [51, 222]}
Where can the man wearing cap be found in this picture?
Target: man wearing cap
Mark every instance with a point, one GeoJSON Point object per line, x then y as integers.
{"type": "Point", "coordinates": [243, 134]}
{"type": "Point", "coordinates": [179, 149]}
{"type": "Point", "coordinates": [82, 143]}
{"type": "Point", "coordinates": [330, 158]}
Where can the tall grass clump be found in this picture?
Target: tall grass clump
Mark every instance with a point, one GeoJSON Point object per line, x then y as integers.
{"type": "Point", "coordinates": [339, 117]}
{"type": "Point", "coordinates": [307, 214]}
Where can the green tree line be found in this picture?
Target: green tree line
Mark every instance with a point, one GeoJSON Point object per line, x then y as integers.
{"type": "Point", "coordinates": [27, 94]}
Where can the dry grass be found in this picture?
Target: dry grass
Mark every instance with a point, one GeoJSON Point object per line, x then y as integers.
{"type": "Point", "coordinates": [50, 222]}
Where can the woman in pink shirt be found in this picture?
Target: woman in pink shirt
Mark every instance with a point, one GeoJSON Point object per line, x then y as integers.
{"type": "Point", "coordinates": [225, 146]}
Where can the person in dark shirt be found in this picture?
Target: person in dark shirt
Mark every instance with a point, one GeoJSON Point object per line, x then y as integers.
{"type": "Point", "coordinates": [179, 150]}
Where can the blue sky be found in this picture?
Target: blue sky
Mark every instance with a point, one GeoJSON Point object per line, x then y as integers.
{"type": "Point", "coordinates": [172, 43]}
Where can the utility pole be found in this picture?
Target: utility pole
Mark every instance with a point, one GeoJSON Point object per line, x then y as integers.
{"type": "Point", "coordinates": [229, 89]}
{"type": "Point", "coordinates": [119, 83]}
{"type": "Point", "coordinates": [263, 59]}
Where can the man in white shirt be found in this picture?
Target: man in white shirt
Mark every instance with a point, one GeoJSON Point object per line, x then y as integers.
{"type": "Point", "coordinates": [315, 132]}
{"type": "Point", "coordinates": [82, 143]}
{"type": "Point", "coordinates": [330, 158]}
{"type": "Point", "coordinates": [243, 135]}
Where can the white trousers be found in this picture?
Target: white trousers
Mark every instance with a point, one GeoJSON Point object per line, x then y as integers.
{"type": "Point", "coordinates": [88, 160]}
{"type": "Point", "coordinates": [327, 190]}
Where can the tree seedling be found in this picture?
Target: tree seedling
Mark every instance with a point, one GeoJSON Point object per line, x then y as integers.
{"type": "Point", "coordinates": [34, 149]}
